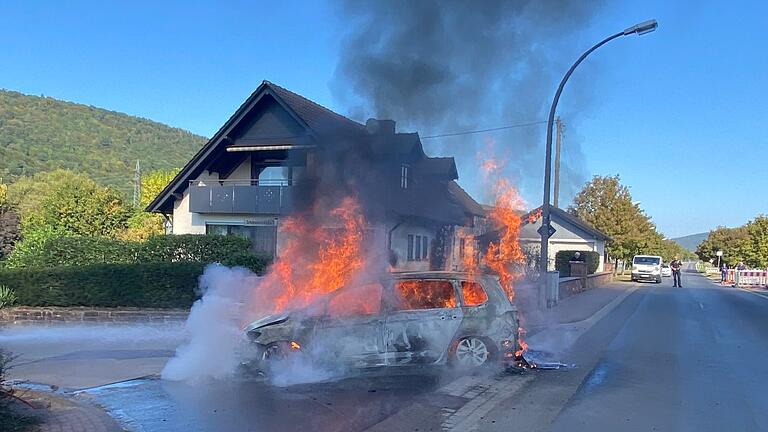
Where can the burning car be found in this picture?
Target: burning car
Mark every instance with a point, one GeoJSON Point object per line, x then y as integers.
{"type": "Point", "coordinates": [407, 318]}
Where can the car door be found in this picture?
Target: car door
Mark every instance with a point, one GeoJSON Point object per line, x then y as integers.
{"type": "Point", "coordinates": [423, 316]}
{"type": "Point", "coordinates": [352, 331]}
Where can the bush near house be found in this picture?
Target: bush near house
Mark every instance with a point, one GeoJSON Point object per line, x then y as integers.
{"type": "Point", "coordinates": [162, 272]}
{"type": "Point", "coordinates": [563, 257]}
{"type": "Point", "coordinates": [148, 285]}
{"type": "Point", "coordinates": [79, 251]}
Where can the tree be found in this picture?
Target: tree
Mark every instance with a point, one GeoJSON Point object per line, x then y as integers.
{"type": "Point", "coordinates": [9, 224]}
{"type": "Point", "coordinates": [143, 225]}
{"type": "Point", "coordinates": [754, 245]}
{"type": "Point", "coordinates": [69, 204]}
{"type": "Point", "coordinates": [729, 240]}
{"type": "Point", "coordinates": [607, 205]}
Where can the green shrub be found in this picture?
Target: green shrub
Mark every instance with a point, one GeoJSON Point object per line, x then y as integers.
{"type": "Point", "coordinates": [563, 258]}
{"type": "Point", "coordinates": [192, 247]}
{"type": "Point", "coordinates": [76, 251]}
{"type": "Point", "coordinates": [52, 250]}
{"type": "Point", "coordinates": [7, 297]}
{"type": "Point", "coordinates": [154, 285]}
{"type": "Point", "coordinates": [160, 285]}
{"type": "Point", "coordinates": [255, 263]}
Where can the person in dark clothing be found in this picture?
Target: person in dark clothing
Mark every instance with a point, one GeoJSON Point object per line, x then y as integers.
{"type": "Point", "coordinates": [676, 265]}
{"type": "Point", "coordinates": [723, 273]}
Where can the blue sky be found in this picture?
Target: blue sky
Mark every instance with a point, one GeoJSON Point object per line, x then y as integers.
{"type": "Point", "coordinates": [677, 113]}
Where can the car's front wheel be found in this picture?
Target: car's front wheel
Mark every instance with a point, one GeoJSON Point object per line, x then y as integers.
{"type": "Point", "coordinates": [471, 352]}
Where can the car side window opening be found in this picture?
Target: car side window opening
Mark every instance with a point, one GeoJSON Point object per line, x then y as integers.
{"type": "Point", "coordinates": [356, 300]}
{"type": "Point", "coordinates": [424, 294]}
{"type": "Point", "coordinates": [473, 293]}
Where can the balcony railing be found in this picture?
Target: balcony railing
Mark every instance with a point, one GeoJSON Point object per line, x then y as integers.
{"type": "Point", "coordinates": [242, 196]}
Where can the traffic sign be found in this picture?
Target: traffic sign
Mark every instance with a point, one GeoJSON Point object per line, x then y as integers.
{"type": "Point", "coordinates": [541, 231]}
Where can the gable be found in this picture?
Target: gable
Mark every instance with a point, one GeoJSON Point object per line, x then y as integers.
{"type": "Point", "coordinates": [271, 116]}
{"type": "Point", "coordinates": [268, 123]}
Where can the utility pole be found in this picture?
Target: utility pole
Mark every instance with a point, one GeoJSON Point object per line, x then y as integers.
{"type": "Point", "coordinates": [137, 185]}
{"type": "Point", "coordinates": [559, 125]}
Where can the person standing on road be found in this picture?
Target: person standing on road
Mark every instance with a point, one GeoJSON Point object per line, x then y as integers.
{"type": "Point", "coordinates": [676, 265]}
{"type": "Point", "coordinates": [723, 273]}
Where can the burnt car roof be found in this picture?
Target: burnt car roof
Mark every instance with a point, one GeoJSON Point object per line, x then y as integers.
{"type": "Point", "coordinates": [436, 274]}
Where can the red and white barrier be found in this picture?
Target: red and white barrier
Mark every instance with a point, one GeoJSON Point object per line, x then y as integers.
{"type": "Point", "coordinates": [747, 277]}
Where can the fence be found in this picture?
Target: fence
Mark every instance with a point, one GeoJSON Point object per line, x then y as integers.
{"type": "Point", "coordinates": [747, 277]}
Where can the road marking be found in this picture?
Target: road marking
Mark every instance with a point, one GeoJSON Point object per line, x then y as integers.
{"type": "Point", "coordinates": [486, 398]}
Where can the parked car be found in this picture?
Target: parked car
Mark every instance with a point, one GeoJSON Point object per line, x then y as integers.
{"type": "Point", "coordinates": [398, 319]}
{"type": "Point", "coordinates": [666, 270]}
{"type": "Point", "coordinates": [646, 267]}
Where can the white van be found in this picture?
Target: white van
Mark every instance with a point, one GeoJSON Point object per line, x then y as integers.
{"type": "Point", "coordinates": [646, 267]}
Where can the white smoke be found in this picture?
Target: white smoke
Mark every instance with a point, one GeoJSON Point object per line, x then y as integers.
{"type": "Point", "coordinates": [217, 346]}
{"type": "Point", "coordinates": [214, 326]}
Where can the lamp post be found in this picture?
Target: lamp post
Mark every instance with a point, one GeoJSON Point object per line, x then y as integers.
{"type": "Point", "coordinates": [640, 29]}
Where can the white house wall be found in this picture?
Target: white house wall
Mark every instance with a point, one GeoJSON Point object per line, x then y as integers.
{"type": "Point", "coordinates": [400, 246]}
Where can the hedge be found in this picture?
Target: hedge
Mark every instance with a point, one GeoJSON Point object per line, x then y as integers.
{"type": "Point", "coordinates": [563, 257]}
{"type": "Point", "coordinates": [156, 285]}
{"type": "Point", "coordinates": [79, 251]}
{"type": "Point", "coordinates": [153, 285]}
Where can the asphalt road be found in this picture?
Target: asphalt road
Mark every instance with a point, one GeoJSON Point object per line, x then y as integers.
{"type": "Point", "coordinates": [666, 359]}
{"type": "Point", "coordinates": [663, 359]}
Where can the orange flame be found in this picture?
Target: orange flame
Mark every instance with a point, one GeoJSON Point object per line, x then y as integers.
{"type": "Point", "coordinates": [425, 294]}
{"type": "Point", "coordinates": [315, 260]}
{"type": "Point", "coordinates": [502, 256]}
{"type": "Point", "coordinates": [533, 216]}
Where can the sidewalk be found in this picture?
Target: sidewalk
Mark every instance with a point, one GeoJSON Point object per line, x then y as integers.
{"type": "Point", "coordinates": [572, 309]}
{"type": "Point", "coordinates": [62, 414]}
{"type": "Point", "coordinates": [554, 330]}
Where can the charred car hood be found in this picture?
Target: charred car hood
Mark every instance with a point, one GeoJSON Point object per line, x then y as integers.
{"type": "Point", "coordinates": [268, 321]}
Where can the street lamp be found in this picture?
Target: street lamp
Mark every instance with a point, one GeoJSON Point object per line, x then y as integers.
{"type": "Point", "coordinates": [640, 29]}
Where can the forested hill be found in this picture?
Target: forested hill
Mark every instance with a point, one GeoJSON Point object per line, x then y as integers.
{"type": "Point", "coordinates": [691, 242]}
{"type": "Point", "coordinates": [42, 134]}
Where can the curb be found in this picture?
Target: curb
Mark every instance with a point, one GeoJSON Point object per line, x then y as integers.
{"type": "Point", "coordinates": [59, 413]}
{"type": "Point", "coordinates": [27, 314]}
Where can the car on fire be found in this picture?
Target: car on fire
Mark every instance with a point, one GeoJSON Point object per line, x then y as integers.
{"type": "Point", "coordinates": [409, 318]}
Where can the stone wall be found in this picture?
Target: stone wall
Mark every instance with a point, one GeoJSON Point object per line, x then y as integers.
{"type": "Point", "coordinates": [574, 285]}
{"type": "Point", "coordinates": [82, 314]}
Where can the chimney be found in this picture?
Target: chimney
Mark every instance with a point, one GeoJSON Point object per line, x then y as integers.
{"type": "Point", "coordinates": [380, 127]}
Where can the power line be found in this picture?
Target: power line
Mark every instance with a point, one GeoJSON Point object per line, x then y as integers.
{"type": "Point", "coordinates": [514, 126]}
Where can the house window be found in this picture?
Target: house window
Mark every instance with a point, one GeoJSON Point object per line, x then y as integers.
{"type": "Point", "coordinates": [404, 176]}
{"type": "Point", "coordinates": [418, 247]}
{"type": "Point", "coordinates": [263, 238]}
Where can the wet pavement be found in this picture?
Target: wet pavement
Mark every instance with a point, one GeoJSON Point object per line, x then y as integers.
{"type": "Point", "coordinates": [351, 404]}
{"type": "Point", "coordinates": [76, 356]}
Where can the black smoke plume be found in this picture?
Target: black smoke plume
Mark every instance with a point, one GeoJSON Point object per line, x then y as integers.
{"type": "Point", "coordinates": [450, 65]}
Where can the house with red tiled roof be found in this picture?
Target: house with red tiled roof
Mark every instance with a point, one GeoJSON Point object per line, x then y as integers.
{"type": "Point", "coordinates": [266, 162]}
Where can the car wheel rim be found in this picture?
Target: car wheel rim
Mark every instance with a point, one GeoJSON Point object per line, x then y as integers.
{"type": "Point", "coordinates": [471, 352]}
{"type": "Point", "coordinates": [273, 352]}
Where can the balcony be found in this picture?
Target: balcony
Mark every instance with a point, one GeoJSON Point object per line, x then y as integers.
{"type": "Point", "coordinates": [242, 196]}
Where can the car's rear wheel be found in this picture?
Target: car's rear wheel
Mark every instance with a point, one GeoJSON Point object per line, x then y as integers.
{"type": "Point", "coordinates": [471, 352]}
